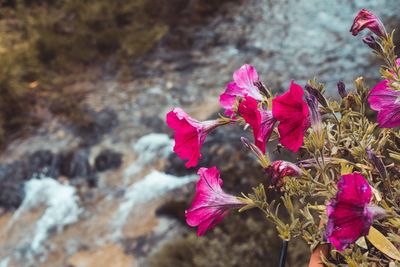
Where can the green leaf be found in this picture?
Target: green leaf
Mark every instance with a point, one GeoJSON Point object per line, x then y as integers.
{"type": "Point", "coordinates": [383, 244]}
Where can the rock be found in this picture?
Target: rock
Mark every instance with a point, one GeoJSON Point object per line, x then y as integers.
{"type": "Point", "coordinates": [92, 180]}
{"type": "Point", "coordinates": [11, 188]}
{"type": "Point", "coordinates": [45, 162]}
{"type": "Point", "coordinates": [174, 209]}
{"type": "Point", "coordinates": [75, 164]}
{"type": "Point", "coordinates": [92, 129]}
{"type": "Point", "coordinates": [108, 159]}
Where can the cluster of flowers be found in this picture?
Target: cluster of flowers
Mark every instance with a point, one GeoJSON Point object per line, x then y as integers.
{"type": "Point", "coordinates": [247, 101]}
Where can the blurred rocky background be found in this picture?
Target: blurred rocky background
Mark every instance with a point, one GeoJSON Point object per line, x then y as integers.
{"type": "Point", "coordinates": [87, 177]}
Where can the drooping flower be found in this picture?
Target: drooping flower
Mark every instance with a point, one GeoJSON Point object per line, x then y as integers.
{"type": "Point", "coordinates": [210, 204]}
{"type": "Point", "coordinates": [243, 84]}
{"type": "Point", "coordinates": [260, 120]}
{"type": "Point", "coordinates": [292, 112]}
{"type": "Point", "coordinates": [387, 102]}
{"type": "Point", "coordinates": [190, 134]}
{"type": "Point", "coordinates": [366, 19]}
{"type": "Point", "coordinates": [350, 214]}
{"type": "Point", "coordinates": [279, 169]}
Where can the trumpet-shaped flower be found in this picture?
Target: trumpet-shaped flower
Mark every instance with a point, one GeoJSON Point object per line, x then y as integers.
{"type": "Point", "coordinates": [260, 120]}
{"type": "Point", "coordinates": [243, 84]}
{"type": "Point", "coordinates": [349, 213]}
{"type": "Point", "coordinates": [211, 204]}
{"type": "Point", "coordinates": [190, 134]}
{"type": "Point", "coordinates": [292, 112]}
{"type": "Point", "coordinates": [387, 102]}
{"type": "Point", "coordinates": [366, 19]}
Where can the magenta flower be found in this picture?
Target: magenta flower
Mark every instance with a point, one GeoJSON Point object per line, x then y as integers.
{"type": "Point", "coordinates": [292, 112]}
{"type": "Point", "coordinates": [259, 119]}
{"type": "Point", "coordinates": [242, 85]}
{"type": "Point", "coordinates": [366, 19]}
{"type": "Point", "coordinates": [349, 213]}
{"type": "Point", "coordinates": [190, 134]}
{"type": "Point", "coordinates": [387, 102]}
{"type": "Point", "coordinates": [280, 169]}
{"type": "Point", "coordinates": [210, 204]}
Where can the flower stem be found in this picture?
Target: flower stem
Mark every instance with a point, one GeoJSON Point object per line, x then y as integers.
{"type": "Point", "coordinates": [282, 256]}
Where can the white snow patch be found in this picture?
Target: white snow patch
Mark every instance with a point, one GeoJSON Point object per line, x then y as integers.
{"type": "Point", "coordinates": [4, 262]}
{"type": "Point", "coordinates": [149, 148]}
{"type": "Point", "coordinates": [152, 186]}
{"type": "Point", "coordinates": [153, 144]}
{"type": "Point", "coordinates": [61, 204]}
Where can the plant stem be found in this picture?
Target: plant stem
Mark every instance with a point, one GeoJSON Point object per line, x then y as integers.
{"type": "Point", "coordinates": [282, 256]}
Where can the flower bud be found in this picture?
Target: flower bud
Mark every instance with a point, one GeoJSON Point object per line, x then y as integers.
{"type": "Point", "coordinates": [342, 89]}
{"type": "Point", "coordinates": [316, 93]}
{"type": "Point", "coordinates": [371, 42]}
{"type": "Point", "coordinates": [317, 135]}
{"type": "Point", "coordinates": [377, 163]}
{"type": "Point", "coordinates": [359, 83]}
{"type": "Point", "coordinates": [262, 159]}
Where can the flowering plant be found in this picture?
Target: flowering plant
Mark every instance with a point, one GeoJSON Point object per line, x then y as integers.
{"type": "Point", "coordinates": [343, 193]}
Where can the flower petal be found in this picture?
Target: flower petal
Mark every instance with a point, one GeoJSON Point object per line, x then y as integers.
{"type": "Point", "coordinates": [293, 115]}
{"type": "Point", "coordinates": [245, 77]}
{"type": "Point", "coordinates": [186, 136]}
{"type": "Point", "coordinates": [211, 204]}
{"type": "Point", "coordinates": [228, 97]}
{"type": "Point", "coordinates": [382, 96]}
{"type": "Point", "coordinates": [348, 216]}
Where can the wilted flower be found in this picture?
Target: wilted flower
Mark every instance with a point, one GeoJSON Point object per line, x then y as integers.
{"type": "Point", "coordinates": [349, 213]}
{"type": "Point", "coordinates": [243, 84]}
{"type": "Point", "coordinates": [190, 134]}
{"type": "Point", "coordinates": [387, 102]}
{"type": "Point", "coordinates": [366, 19]}
{"type": "Point", "coordinates": [259, 119]}
{"type": "Point", "coordinates": [292, 112]}
{"type": "Point", "coordinates": [341, 89]}
{"type": "Point", "coordinates": [280, 169]}
{"type": "Point", "coordinates": [210, 204]}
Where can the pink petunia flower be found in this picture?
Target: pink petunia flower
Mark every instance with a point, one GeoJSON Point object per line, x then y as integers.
{"type": "Point", "coordinates": [349, 213]}
{"type": "Point", "coordinates": [243, 84]}
{"type": "Point", "coordinates": [211, 204]}
{"type": "Point", "coordinates": [366, 19]}
{"type": "Point", "coordinates": [260, 120]}
{"type": "Point", "coordinates": [387, 102]}
{"type": "Point", "coordinates": [280, 169]}
{"type": "Point", "coordinates": [292, 112]}
{"type": "Point", "coordinates": [190, 134]}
